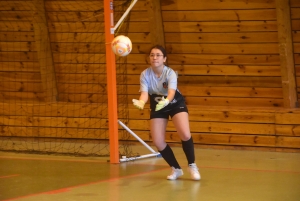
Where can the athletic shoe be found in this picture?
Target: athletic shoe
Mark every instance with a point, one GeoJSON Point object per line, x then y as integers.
{"type": "Point", "coordinates": [175, 174]}
{"type": "Point", "coordinates": [194, 171]}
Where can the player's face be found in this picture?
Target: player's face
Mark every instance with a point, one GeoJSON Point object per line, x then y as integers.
{"type": "Point", "coordinates": [157, 58]}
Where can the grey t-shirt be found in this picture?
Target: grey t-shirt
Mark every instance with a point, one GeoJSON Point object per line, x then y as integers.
{"type": "Point", "coordinates": [158, 87]}
{"type": "Point", "coordinates": [154, 85]}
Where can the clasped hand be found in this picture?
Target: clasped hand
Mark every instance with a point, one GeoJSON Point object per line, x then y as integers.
{"type": "Point", "coordinates": [161, 104]}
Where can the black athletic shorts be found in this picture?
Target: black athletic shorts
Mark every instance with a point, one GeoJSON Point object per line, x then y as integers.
{"type": "Point", "coordinates": [165, 114]}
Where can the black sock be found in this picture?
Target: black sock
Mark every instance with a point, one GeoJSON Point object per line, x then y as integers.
{"type": "Point", "coordinates": [169, 157]}
{"type": "Point", "coordinates": [188, 148]}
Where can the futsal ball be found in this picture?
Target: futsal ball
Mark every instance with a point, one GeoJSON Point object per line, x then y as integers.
{"type": "Point", "coordinates": [121, 45]}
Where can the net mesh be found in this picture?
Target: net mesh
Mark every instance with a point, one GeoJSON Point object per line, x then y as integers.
{"type": "Point", "coordinates": [53, 91]}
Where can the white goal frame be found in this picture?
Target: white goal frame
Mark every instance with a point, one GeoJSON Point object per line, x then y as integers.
{"type": "Point", "coordinates": [153, 154]}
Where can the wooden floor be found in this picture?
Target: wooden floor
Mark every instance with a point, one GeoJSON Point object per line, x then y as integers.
{"type": "Point", "coordinates": [227, 175]}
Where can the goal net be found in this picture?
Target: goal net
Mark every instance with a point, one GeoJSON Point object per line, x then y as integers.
{"type": "Point", "coordinates": [53, 77]}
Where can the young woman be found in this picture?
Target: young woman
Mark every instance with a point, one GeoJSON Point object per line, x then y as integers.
{"type": "Point", "coordinates": [159, 82]}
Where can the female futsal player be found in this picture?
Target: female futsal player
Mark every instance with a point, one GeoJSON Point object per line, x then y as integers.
{"type": "Point", "coordinates": [159, 82]}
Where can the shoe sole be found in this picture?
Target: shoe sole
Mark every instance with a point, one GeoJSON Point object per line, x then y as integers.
{"type": "Point", "coordinates": [175, 178]}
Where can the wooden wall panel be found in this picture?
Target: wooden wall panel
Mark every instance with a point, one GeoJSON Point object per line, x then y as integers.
{"type": "Point", "coordinates": [216, 5]}
{"type": "Point", "coordinates": [295, 17]}
{"type": "Point", "coordinates": [221, 126]}
{"type": "Point", "coordinates": [184, 70]}
{"type": "Point", "coordinates": [19, 97]}
{"type": "Point", "coordinates": [215, 27]}
{"type": "Point", "coordinates": [295, 12]}
{"type": "Point", "coordinates": [253, 48]}
{"type": "Point", "coordinates": [92, 5]}
{"type": "Point", "coordinates": [17, 46]}
{"type": "Point", "coordinates": [216, 37]}
{"type": "Point", "coordinates": [205, 59]}
{"type": "Point", "coordinates": [12, 15]}
{"type": "Point", "coordinates": [19, 66]}
{"type": "Point", "coordinates": [143, 48]}
{"type": "Point", "coordinates": [217, 114]}
{"type": "Point", "coordinates": [217, 81]}
{"type": "Point", "coordinates": [295, 3]}
{"type": "Point", "coordinates": [16, 5]}
{"type": "Point", "coordinates": [9, 86]}
{"type": "Point", "coordinates": [88, 110]}
{"type": "Point", "coordinates": [225, 53]}
{"type": "Point", "coordinates": [196, 90]}
{"type": "Point", "coordinates": [287, 129]}
{"type": "Point", "coordinates": [219, 15]}
{"type": "Point", "coordinates": [209, 126]}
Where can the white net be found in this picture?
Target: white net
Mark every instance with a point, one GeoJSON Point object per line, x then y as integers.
{"type": "Point", "coordinates": [53, 69]}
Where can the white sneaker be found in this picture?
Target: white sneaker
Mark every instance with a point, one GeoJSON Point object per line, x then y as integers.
{"type": "Point", "coordinates": [175, 174]}
{"type": "Point", "coordinates": [194, 171]}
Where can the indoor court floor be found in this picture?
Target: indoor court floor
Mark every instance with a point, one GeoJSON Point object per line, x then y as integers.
{"type": "Point", "coordinates": [227, 175]}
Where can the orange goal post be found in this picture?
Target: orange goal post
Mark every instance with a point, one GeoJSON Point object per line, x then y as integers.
{"type": "Point", "coordinates": [112, 86]}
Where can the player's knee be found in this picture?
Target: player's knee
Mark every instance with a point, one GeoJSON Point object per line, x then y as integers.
{"type": "Point", "coordinates": [185, 137]}
{"type": "Point", "coordinates": [160, 145]}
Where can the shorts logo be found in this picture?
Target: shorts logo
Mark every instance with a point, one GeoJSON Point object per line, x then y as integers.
{"type": "Point", "coordinates": [165, 85]}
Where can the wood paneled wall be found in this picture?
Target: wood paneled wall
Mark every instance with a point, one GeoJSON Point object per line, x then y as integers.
{"type": "Point", "coordinates": [225, 52]}
{"type": "Point", "coordinates": [271, 129]}
{"type": "Point", "coordinates": [295, 16]}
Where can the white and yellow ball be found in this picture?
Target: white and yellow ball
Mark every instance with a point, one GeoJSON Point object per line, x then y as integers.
{"type": "Point", "coordinates": [121, 45]}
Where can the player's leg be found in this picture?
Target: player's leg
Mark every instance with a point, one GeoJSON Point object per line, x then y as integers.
{"type": "Point", "coordinates": [181, 123]}
{"type": "Point", "coordinates": [158, 132]}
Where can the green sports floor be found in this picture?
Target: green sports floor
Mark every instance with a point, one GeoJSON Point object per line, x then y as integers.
{"type": "Point", "coordinates": [227, 175]}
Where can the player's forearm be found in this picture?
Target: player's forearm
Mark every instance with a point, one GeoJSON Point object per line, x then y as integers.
{"type": "Point", "coordinates": [144, 96]}
{"type": "Point", "coordinates": [171, 94]}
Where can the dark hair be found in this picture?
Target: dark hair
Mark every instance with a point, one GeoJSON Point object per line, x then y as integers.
{"type": "Point", "coordinates": [161, 48]}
